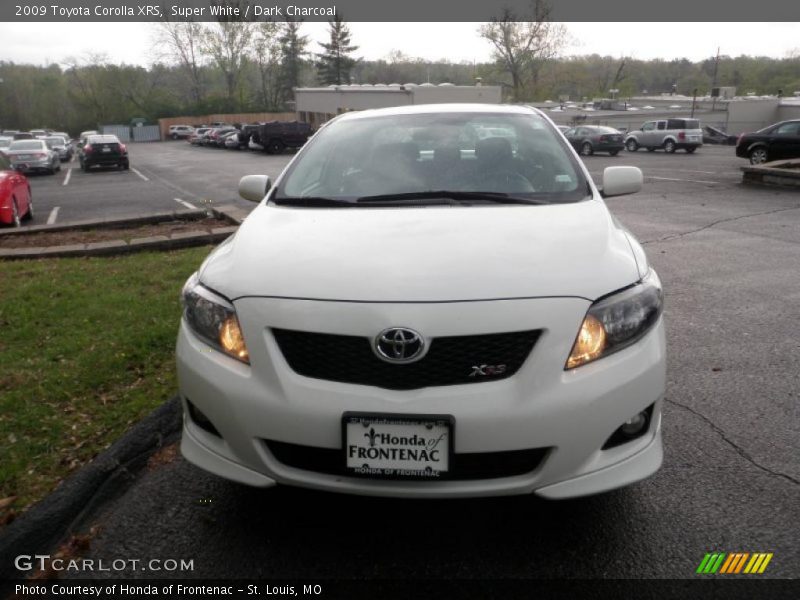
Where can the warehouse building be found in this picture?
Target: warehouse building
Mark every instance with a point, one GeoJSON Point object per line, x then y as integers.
{"type": "Point", "coordinates": [317, 105]}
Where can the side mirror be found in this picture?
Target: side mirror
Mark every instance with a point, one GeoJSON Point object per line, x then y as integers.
{"type": "Point", "coordinates": [619, 181]}
{"type": "Point", "coordinates": [254, 187]}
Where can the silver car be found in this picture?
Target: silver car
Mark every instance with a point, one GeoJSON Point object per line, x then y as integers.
{"type": "Point", "coordinates": [666, 134]}
{"type": "Point", "coordinates": [60, 145]}
{"type": "Point", "coordinates": [33, 155]}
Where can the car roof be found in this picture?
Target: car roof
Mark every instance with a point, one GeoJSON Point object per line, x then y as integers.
{"type": "Point", "coordinates": [107, 137]}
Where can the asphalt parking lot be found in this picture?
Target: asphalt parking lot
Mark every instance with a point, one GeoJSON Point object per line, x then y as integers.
{"type": "Point", "coordinates": [163, 177]}
{"type": "Point", "coordinates": [729, 258]}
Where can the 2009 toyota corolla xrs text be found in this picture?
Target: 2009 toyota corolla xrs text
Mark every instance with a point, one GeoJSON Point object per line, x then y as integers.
{"type": "Point", "coordinates": [430, 301]}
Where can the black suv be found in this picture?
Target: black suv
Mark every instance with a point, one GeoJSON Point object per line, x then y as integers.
{"type": "Point", "coordinates": [103, 150]}
{"type": "Point", "coordinates": [778, 141]}
{"type": "Point", "coordinates": [276, 136]}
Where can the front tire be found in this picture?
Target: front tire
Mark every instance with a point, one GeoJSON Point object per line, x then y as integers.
{"type": "Point", "coordinates": [586, 149]}
{"type": "Point", "coordinates": [669, 147]}
{"type": "Point", "coordinates": [29, 214]}
{"type": "Point", "coordinates": [15, 220]}
{"type": "Point", "coordinates": [758, 155]}
{"type": "Point", "coordinates": [631, 145]}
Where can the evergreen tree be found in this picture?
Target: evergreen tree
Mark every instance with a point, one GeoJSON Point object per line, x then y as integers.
{"type": "Point", "coordinates": [292, 52]}
{"type": "Point", "coordinates": [334, 63]}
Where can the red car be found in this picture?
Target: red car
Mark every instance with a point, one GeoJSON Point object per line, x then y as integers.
{"type": "Point", "coordinates": [16, 202]}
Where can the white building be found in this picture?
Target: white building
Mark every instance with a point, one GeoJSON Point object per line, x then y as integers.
{"type": "Point", "coordinates": [317, 105]}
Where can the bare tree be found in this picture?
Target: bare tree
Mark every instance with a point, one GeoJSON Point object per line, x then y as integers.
{"type": "Point", "coordinates": [266, 51]}
{"type": "Point", "coordinates": [522, 47]}
{"type": "Point", "coordinates": [227, 44]}
{"type": "Point", "coordinates": [182, 43]}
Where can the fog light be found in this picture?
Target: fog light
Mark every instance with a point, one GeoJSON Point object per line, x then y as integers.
{"type": "Point", "coordinates": [633, 428]}
{"type": "Point", "coordinates": [635, 425]}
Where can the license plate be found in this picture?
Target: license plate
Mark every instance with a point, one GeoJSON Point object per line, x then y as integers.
{"type": "Point", "coordinates": [25, 157]}
{"type": "Point", "coordinates": [106, 149]}
{"type": "Point", "coordinates": [390, 446]}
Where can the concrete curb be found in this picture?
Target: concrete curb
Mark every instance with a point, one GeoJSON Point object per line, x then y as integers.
{"type": "Point", "coordinates": [77, 500]}
{"type": "Point", "coordinates": [785, 173]}
{"type": "Point", "coordinates": [159, 242]}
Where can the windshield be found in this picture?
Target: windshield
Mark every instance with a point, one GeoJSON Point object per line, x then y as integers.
{"type": "Point", "coordinates": [421, 154]}
{"type": "Point", "coordinates": [26, 145]}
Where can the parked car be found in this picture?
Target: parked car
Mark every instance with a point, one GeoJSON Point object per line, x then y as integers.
{"type": "Point", "coordinates": [276, 136]}
{"type": "Point", "coordinates": [666, 134]}
{"type": "Point", "coordinates": [223, 136]}
{"type": "Point", "coordinates": [496, 332]}
{"type": "Point", "coordinates": [39, 133]}
{"type": "Point", "coordinates": [776, 142]}
{"type": "Point", "coordinates": [588, 139]}
{"type": "Point", "coordinates": [85, 134]}
{"type": "Point", "coordinates": [177, 132]}
{"type": "Point", "coordinates": [104, 151]}
{"type": "Point", "coordinates": [214, 138]}
{"type": "Point", "coordinates": [236, 140]}
{"type": "Point", "coordinates": [206, 138]}
{"type": "Point", "coordinates": [60, 145]}
{"type": "Point", "coordinates": [23, 135]}
{"type": "Point", "coordinates": [194, 138]}
{"type": "Point", "coordinates": [16, 200]}
{"type": "Point", "coordinates": [5, 142]}
{"type": "Point", "coordinates": [712, 135]}
{"type": "Point", "coordinates": [33, 155]}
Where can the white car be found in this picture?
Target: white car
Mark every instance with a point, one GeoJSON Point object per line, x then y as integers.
{"type": "Point", "coordinates": [414, 311]}
{"type": "Point", "coordinates": [177, 132]}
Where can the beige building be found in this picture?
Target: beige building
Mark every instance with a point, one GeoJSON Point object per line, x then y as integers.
{"type": "Point", "coordinates": [317, 105]}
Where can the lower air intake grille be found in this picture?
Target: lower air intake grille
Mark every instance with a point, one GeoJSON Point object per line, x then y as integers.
{"type": "Point", "coordinates": [480, 465]}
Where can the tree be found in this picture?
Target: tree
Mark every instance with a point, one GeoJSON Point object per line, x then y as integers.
{"type": "Point", "coordinates": [267, 56]}
{"type": "Point", "coordinates": [334, 64]}
{"type": "Point", "coordinates": [182, 43]}
{"type": "Point", "coordinates": [227, 44]}
{"type": "Point", "coordinates": [522, 48]}
{"type": "Point", "coordinates": [293, 50]}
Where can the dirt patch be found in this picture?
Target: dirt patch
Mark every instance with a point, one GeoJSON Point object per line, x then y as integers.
{"type": "Point", "coordinates": [44, 239]}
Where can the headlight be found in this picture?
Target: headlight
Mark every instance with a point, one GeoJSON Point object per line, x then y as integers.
{"type": "Point", "coordinates": [617, 321]}
{"type": "Point", "coordinates": [213, 318]}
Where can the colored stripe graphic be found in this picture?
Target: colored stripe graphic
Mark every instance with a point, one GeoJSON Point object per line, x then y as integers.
{"type": "Point", "coordinates": [734, 562]}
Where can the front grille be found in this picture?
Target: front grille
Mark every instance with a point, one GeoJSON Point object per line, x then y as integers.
{"type": "Point", "coordinates": [465, 466]}
{"type": "Point", "coordinates": [449, 361]}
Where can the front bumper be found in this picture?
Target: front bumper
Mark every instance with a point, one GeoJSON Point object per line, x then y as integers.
{"type": "Point", "coordinates": [571, 413]}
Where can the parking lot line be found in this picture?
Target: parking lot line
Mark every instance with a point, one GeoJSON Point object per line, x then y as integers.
{"type": "Point", "coordinates": [139, 174]}
{"type": "Point", "coordinates": [186, 204]}
{"type": "Point", "coordinates": [686, 180]}
{"type": "Point", "coordinates": [66, 179]}
{"type": "Point", "coordinates": [53, 215]}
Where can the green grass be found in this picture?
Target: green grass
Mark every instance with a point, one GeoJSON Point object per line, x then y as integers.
{"type": "Point", "coordinates": [87, 349]}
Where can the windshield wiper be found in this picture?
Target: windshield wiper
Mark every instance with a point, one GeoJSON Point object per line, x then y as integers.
{"type": "Point", "coordinates": [312, 201]}
{"type": "Point", "coordinates": [495, 197]}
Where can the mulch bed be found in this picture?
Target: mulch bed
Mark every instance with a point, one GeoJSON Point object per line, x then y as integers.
{"type": "Point", "coordinates": [62, 238]}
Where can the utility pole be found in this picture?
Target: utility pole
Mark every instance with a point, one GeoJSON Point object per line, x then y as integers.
{"type": "Point", "coordinates": [714, 82]}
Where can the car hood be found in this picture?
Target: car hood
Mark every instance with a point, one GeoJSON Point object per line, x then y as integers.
{"type": "Point", "coordinates": [430, 254]}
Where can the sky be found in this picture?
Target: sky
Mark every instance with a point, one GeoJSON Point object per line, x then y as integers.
{"type": "Point", "coordinates": [132, 43]}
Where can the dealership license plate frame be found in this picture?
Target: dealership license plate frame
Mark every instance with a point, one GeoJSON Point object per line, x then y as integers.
{"type": "Point", "coordinates": [446, 421]}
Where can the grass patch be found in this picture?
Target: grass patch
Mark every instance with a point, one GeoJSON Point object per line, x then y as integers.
{"type": "Point", "coordinates": [88, 349]}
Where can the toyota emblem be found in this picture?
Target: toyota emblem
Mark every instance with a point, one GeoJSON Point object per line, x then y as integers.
{"type": "Point", "coordinates": [399, 345]}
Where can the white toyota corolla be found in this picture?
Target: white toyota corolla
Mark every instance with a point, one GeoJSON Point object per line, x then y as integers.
{"type": "Point", "coordinates": [430, 301]}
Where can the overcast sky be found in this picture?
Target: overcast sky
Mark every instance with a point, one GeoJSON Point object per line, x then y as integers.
{"type": "Point", "coordinates": [41, 43]}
